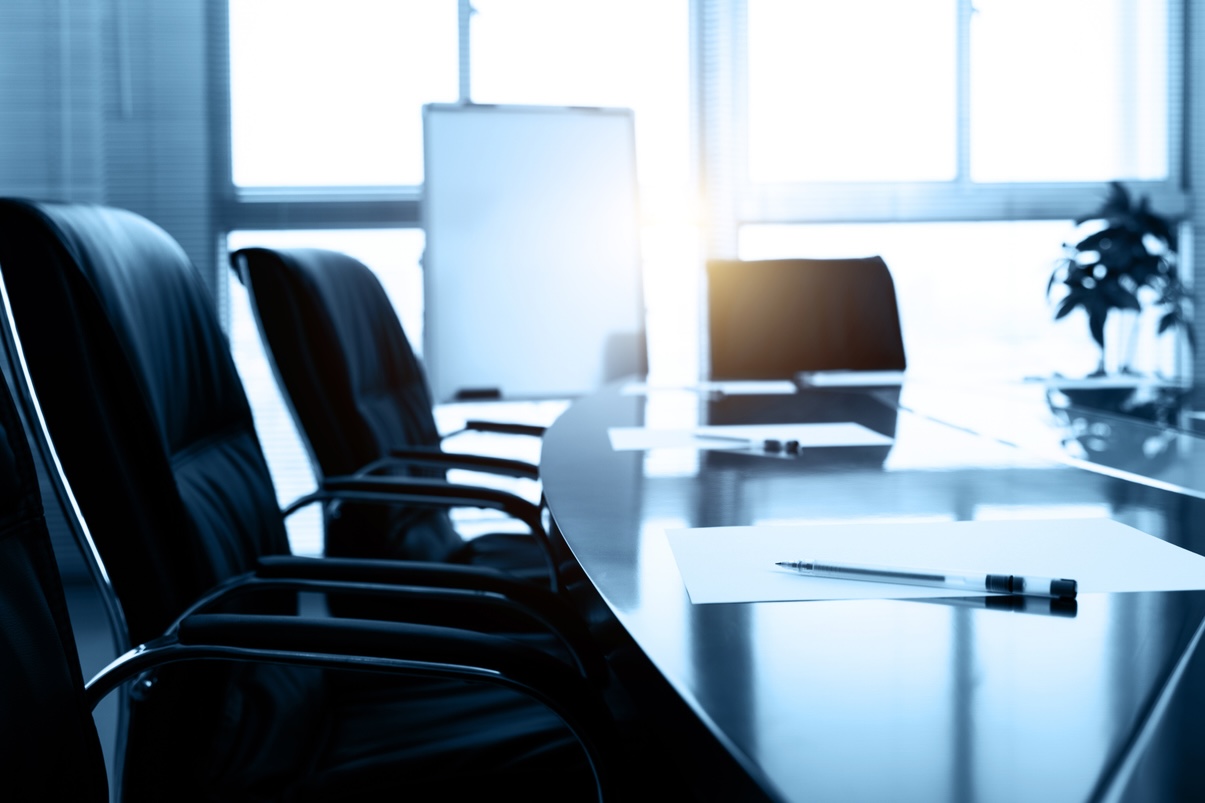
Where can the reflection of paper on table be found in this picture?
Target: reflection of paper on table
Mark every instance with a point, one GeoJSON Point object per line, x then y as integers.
{"type": "Point", "coordinates": [772, 387]}
{"type": "Point", "coordinates": [850, 379]}
{"type": "Point", "coordinates": [808, 435]}
{"type": "Point", "coordinates": [736, 564]}
{"type": "Point", "coordinates": [1100, 382]}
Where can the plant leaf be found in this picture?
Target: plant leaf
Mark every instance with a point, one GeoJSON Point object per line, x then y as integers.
{"type": "Point", "coordinates": [1069, 302]}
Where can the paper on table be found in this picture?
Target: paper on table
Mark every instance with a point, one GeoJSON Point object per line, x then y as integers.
{"type": "Point", "coordinates": [850, 379]}
{"type": "Point", "coordinates": [808, 435]}
{"type": "Point", "coordinates": [772, 387]}
{"type": "Point", "coordinates": [736, 564]}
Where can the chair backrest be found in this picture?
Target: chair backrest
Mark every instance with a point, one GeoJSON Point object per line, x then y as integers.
{"type": "Point", "coordinates": [49, 748]}
{"type": "Point", "coordinates": [150, 423]}
{"type": "Point", "coordinates": [771, 319]}
{"type": "Point", "coordinates": [342, 358]}
{"type": "Point", "coordinates": [352, 382]}
{"type": "Point", "coordinates": [142, 401]}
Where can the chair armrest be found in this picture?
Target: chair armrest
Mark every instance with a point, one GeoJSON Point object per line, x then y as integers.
{"type": "Point", "coordinates": [420, 491]}
{"type": "Point", "coordinates": [427, 651]}
{"type": "Point", "coordinates": [390, 647]}
{"type": "Point", "coordinates": [403, 572]}
{"type": "Point", "coordinates": [424, 593]}
{"type": "Point", "coordinates": [476, 654]}
{"type": "Point", "coordinates": [533, 430]}
{"type": "Point", "coordinates": [467, 600]}
{"type": "Point", "coordinates": [460, 460]}
{"type": "Point", "coordinates": [427, 491]}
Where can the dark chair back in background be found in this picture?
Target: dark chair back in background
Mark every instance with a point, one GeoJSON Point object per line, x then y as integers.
{"type": "Point", "coordinates": [772, 319]}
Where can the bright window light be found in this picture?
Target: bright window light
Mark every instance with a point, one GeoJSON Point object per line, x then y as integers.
{"type": "Point", "coordinates": [860, 90]}
{"type": "Point", "coordinates": [331, 94]}
{"type": "Point", "coordinates": [629, 53]}
{"type": "Point", "coordinates": [1069, 90]}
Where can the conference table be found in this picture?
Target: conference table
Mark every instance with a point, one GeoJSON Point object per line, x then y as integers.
{"type": "Point", "coordinates": [969, 698]}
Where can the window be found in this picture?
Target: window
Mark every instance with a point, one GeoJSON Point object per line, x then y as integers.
{"type": "Point", "coordinates": [331, 93]}
{"type": "Point", "coordinates": [631, 53]}
{"type": "Point", "coordinates": [837, 94]}
{"type": "Point", "coordinates": [947, 109]}
{"type": "Point", "coordinates": [955, 137]}
{"type": "Point", "coordinates": [1082, 96]}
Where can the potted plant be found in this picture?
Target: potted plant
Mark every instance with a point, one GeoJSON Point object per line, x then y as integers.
{"type": "Point", "coordinates": [1127, 263]}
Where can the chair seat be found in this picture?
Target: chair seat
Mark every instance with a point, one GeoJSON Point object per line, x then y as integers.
{"type": "Point", "coordinates": [515, 553]}
{"type": "Point", "coordinates": [442, 740]}
{"type": "Point", "coordinates": [305, 734]}
{"type": "Point", "coordinates": [373, 531]}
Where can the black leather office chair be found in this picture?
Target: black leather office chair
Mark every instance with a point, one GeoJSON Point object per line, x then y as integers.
{"type": "Point", "coordinates": [145, 411]}
{"type": "Point", "coordinates": [359, 398]}
{"type": "Point", "coordinates": [49, 749]}
{"type": "Point", "coordinates": [772, 319]}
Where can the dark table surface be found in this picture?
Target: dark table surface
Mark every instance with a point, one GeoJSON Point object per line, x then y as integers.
{"type": "Point", "coordinates": [900, 700]}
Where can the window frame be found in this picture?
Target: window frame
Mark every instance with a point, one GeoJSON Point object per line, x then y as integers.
{"type": "Point", "coordinates": [327, 207]}
{"type": "Point", "coordinates": [720, 56]}
{"type": "Point", "coordinates": [719, 107]}
{"type": "Point", "coordinates": [725, 114]}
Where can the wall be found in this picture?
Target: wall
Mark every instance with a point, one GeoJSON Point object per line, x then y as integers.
{"type": "Point", "coordinates": [108, 101]}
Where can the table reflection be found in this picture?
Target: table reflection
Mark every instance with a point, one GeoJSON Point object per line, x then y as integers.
{"type": "Point", "coordinates": [1121, 427]}
{"type": "Point", "coordinates": [1139, 433]}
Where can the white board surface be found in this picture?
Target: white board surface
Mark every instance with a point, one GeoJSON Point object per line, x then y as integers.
{"type": "Point", "coordinates": [532, 280]}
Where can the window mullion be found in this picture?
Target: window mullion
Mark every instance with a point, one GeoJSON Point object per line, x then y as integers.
{"type": "Point", "coordinates": [723, 107]}
{"type": "Point", "coordinates": [966, 11]}
{"type": "Point", "coordinates": [464, 73]}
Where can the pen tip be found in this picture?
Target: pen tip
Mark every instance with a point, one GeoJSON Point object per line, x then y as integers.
{"type": "Point", "coordinates": [782, 563]}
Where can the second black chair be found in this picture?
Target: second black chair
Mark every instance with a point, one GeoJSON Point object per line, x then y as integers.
{"type": "Point", "coordinates": [359, 397]}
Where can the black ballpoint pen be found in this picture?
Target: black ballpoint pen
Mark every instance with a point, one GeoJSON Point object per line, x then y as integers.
{"type": "Point", "coordinates": [962, 581]}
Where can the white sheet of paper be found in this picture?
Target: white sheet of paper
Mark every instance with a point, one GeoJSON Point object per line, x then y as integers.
{"type": "Point", "coordinates": [808, 435]}
{"type": "Point", "coordinates": [850, 379]}
{"type": "Point", "coordinates": [736, 564]}
{"type": "Point", "coordinates": [771, 387]}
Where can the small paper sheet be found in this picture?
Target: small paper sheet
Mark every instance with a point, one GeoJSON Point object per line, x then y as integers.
{"type": "Point", "coordinates": [736, 564]}
{"type": "Point", "coordinates": [745, 436]}
{"type": "Point", "coordinates": [769, 387]}
{"type": "Point", "coordinates": [850, 379]}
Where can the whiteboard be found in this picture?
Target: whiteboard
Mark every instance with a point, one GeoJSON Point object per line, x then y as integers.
{"type": "Point", "coordinates": [531, 274]}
